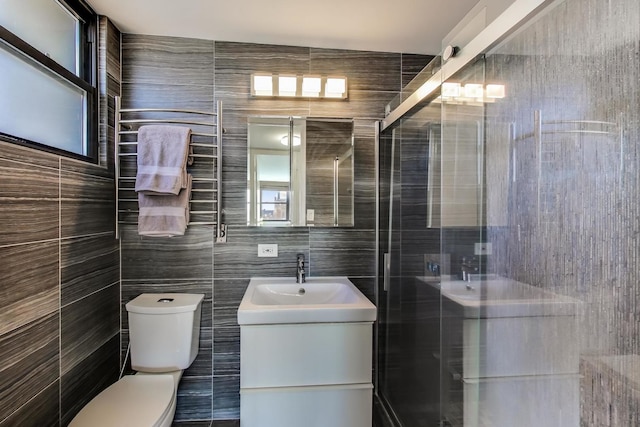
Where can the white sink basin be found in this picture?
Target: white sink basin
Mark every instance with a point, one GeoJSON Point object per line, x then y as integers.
{"type": "Point", "coordinates": [277, 300]}
{"type": "Point", "coordinates": [496, 296]}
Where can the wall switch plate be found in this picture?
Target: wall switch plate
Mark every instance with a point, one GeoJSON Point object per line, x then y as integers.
{"type": "Point", "coordinates": [311, 214]}
{"type": "Point", "coordinates": [268, 250]}
{"type": "Point", "coordinates": [482, 248]}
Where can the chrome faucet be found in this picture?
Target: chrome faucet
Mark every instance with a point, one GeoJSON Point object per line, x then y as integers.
{"type": "Point", "coordinates": [300, 275]}
{"type": "Point", "coordinates": [468, 267]}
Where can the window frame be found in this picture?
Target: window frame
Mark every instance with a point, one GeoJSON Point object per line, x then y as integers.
{"type": "Point", "coordinates": [87, 79]}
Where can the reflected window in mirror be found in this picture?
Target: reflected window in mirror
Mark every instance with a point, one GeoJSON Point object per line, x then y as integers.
{"type": "Point", "coordinates": [310, 181]}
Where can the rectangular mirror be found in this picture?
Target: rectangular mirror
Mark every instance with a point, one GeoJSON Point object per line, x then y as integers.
{"type": "Point", "coordinates": [307, 183]}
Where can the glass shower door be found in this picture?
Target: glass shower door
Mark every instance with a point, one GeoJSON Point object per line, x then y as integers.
{"type": "Point", "coordinates": [409, 339]}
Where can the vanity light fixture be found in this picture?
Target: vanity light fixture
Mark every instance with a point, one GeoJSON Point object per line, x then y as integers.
{"type": "Point", "coordinates": [470, 93]}
{"type": "Point", "coordinates": [275, 85]}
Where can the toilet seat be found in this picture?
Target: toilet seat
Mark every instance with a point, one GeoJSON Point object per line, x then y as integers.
{"type": "Point", "coordinates": [135, 401]}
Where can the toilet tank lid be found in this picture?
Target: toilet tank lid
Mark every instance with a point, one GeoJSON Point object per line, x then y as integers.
{"type": "Point", "coordinates": [164, 303]}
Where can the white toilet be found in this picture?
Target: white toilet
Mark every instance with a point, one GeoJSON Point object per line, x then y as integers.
{"type": "Point", "coordinates": [164, 332]}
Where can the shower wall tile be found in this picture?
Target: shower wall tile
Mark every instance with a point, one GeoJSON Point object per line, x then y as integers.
{"type": "Point", "coordinates": [43, 410]}
{"type": "Point", "coordinates": [194, 399]}
{"type": "Point", "coordinates": [180, 257]}
{"type": "Point", "coordinates": [28, 202]}
{"type": "Point", "coordinates": [89, 377]}
{"type": "Point", "coordinates": [87, 324]}
{"type": "Point", "coordinates": [342, 252]}
{"type": "Point", "coordinates": [29, 283]}
{"type": "Point", "coordinates": [87, 264]}
{"type": "Point", "coordinates": [226, 397]}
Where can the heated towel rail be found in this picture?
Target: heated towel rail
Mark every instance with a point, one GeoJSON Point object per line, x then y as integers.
{"type": "Point", "coordinates": [206, 143]}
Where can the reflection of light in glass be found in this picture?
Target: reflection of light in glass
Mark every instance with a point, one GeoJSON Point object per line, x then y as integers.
{"type": "Point", "coordinates": [262, 85]}
{"type": "Point", "coordinates": [285, 140]}
{"type": "Point", "coordinates": [495, 91]}
{"type": "Point", "coordinates": [311, 86]}
{"type": "Point", "coordinates": [287, 86]}
{"type": "Point", "coordinates": [473, 90]}
{"type": "Point", "coordinates": [450, 90]}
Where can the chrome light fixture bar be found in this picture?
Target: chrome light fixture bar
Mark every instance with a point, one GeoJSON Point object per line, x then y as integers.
{"type": "Point", "coordinates": [298, 86]}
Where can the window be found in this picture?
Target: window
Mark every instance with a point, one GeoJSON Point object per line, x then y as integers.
{"type": "Point", "coordinates": [48, 95]}
{"type": "Point", "coordinates": [274, 203]}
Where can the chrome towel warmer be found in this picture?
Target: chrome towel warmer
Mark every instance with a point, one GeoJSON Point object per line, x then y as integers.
{"type": "Point", "coordinates": [206, 144]}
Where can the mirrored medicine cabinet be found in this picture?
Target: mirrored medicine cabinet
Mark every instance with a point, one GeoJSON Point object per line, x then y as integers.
{"type": "Point", "coordinates": [300, 172]}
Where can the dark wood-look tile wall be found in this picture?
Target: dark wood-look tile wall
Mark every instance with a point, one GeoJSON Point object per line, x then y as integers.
{"type": "Point", "coordinates": [59, 275]}
{"type": "Point", "coordinates": [188, 73]}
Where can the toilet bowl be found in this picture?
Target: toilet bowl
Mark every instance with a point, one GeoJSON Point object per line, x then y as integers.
{"type": "Point", "coordinates": [164, 335]}
{"type": "Point", "coordinates": [133, 401]}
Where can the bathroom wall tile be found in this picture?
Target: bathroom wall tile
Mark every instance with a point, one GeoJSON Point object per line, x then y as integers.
{"type": "Point", "coordinates": [87, 204]}
{"type": "Point", "coordinates": [235, 62]}
{"type": "Point", "coordinates": [28, 283]}
{"type": "Point", "coordinates": [18, 153]}
{"type": "Point", "coordinates": [234, 180]}
{"type": "Point", "coordinates": [226, 397]}
{"type": "Point", "coordinates": [81, 167]}
{"type": "Point", "coordinates": [366, 285]}
{"type": "Point", "coordinates": [238, 258]}
{"type": "Point", "coordinates": [194, 399]}
{"type": "Point", "coordinates": [157, 59]}
{"type": "Point", "coordinates": [226, 423]}
{"type": "Point", "coordinates": [181, 257]}
{"type": "Point", "coordinates": [133, 288]}
{"type": "Point", "coordinates": [226, 351]}
{"type": "Point", "coordinates": [365, 70]}
{"type": "Point", "coordinates": [202, 366]}
{"type": "Point", "coordinates": [109, 46]}
{"type": "Point", "coordinates": [333, 252]}
{"type": "Point", "coordinates": [360, 104]}
{"type": "Point", "coordinates": [167, 95]}
{"type": "Point", "coordinates": [227, 294]}
{"type": "Point", "coordinates": [28, 202]}
{"type": "Point", "coordinates": [412, 64]}
{"type": "Point", "coordinates": [87, 265]}
{"type": "Point", "coordinates": [23, 374]}
{"type": "Point", "coordinates": [87, 324]}
{"type": "Point", "coordinates": [192, 423]}
{"type": "Point", "coordinates": [364, 186]}
{"type": "Point", "coordinates": [89, 377]}
{"type": "Point", "coordinates": [42, 411]}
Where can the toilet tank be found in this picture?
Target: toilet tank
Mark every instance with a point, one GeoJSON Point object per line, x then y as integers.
{"type": "Point", "coordinates": [164, 331]}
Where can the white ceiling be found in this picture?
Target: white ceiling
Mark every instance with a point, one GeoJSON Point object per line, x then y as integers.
{"type": "Point", "coordinates": [408, 26]}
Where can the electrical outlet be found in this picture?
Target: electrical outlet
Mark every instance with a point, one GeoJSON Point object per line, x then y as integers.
{"type": "Point", "coordinates": [268, 250]}
{"type": "Point", "coordinates": [482, 248]}
{"type": "Point", "coordinates": [311, 214]}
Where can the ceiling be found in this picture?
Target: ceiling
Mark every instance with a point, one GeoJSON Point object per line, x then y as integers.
{"type": "Point", "coordinates": [408, 26]}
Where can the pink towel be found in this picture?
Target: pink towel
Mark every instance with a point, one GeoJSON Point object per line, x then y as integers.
{"type": "Point", "coordinates": [163, 155]}
{"type": "Point", "coordinates": [164, 216]}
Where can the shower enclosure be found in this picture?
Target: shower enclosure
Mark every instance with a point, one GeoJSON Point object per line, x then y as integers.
{"type": "Point", "coordinates": [508, 231]}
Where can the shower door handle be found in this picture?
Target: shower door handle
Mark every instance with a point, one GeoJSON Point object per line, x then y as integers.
{"type": "Point", "coordinates": [387, 270]}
